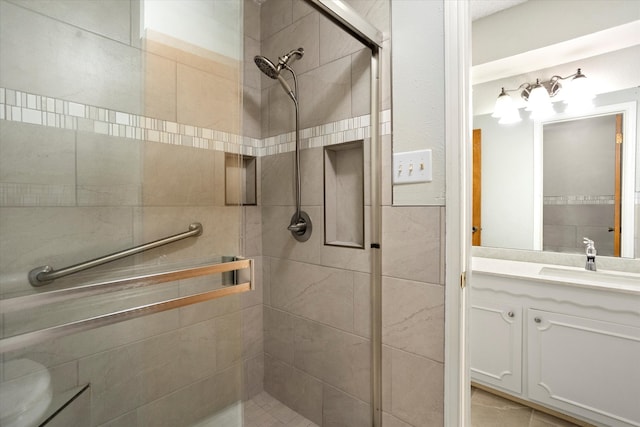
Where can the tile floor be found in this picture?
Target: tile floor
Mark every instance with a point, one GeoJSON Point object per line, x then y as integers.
{"type": "Point", "coordinates": [487, 410]}
{"type": "Point", "coordinates": [266, 411]}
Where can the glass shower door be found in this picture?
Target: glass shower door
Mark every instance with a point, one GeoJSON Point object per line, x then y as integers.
{"type": "Point", "coordinates": [115, 122]}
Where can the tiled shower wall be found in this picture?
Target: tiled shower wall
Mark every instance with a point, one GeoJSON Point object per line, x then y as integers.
{"type": "Point", "coordinates": [108, 140]}
{"type": "Point", "coordinates": [316, 299]}
{"type": "Point", "coordinates": [316, 311]}
{"type": "Point", "coordinates": [316, 338]}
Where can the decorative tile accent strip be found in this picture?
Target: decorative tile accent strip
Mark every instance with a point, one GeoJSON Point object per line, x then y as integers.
{"type": "Point", "coordinates": [578, 200]}
{"type": "Point", "coordinates": [45, 111]}
{"type": "Point", "coordinates": [351, 129]}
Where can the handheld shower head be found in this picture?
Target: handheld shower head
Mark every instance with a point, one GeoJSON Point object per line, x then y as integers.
{"type": "Point", "coordinates": [266, 66]}
{"type": "Point", "coordinates": [287, 88]}
{"type": "Point", "coordinates": [300, 225]}
{"type": "Point", "coordinates": [284, 61]}
{"type": "Point", "coordinates": [273, 71]}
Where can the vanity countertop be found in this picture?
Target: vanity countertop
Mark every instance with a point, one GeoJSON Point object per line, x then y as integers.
{"type": "Point", "coordinates": [624, 282]}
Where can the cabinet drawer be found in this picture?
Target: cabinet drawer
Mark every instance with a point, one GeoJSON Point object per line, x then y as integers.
{"type": "Point", "coordinates": [584, 366]}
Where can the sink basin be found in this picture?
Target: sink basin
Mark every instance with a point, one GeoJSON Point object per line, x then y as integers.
{"type": "Point", "coordinates": [25, 399]}
{"type": "Point", "coordinates": [596, 277]}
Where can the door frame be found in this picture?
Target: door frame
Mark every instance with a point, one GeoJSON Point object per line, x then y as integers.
{"type": "Point", "coordinates": [628, 110]}
{"type": "Point", "coordinates": [457, 68]}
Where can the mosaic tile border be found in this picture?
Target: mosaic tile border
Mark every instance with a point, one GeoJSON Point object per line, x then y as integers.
{"type": "Point", "coordinates": [42, 110]}
{"type": "Point", "coordinates": [578, 200]}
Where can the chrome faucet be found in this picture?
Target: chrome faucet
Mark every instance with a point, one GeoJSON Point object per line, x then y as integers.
{"type": "Point", "coordinates": [591, 254]}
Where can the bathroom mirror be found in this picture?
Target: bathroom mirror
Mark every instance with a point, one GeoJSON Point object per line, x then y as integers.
{"type": "Point", "coordinates": [526, 201]}
{"type": "Point", "coordinates": [547, 184]}
{"type": "Point", "coordinates": [587, 180]}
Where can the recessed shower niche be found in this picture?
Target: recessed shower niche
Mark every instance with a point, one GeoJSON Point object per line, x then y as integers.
{"type": "Point", "coordinates": [240, 179]}
{"type": "Point", "coordinates": [344, 194]}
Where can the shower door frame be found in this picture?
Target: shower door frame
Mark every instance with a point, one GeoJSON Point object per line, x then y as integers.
{"type": "Point", "coordinates": [358, 27]}
{"type": "Point", "coordinates": [457, 54]}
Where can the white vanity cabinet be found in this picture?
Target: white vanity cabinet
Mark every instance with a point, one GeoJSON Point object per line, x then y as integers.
{"type": "Point", "coordinates": [585, 365]}
{"type": "Point", "coordinates": [495, 344]}
{"type": "Point", "coordinates": [572, 348]}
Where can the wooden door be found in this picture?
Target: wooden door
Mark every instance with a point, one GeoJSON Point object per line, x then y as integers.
{"type": "Point", "coordinates": [476, 223]}
{"type": "Point", "coordinates": [617, 210]}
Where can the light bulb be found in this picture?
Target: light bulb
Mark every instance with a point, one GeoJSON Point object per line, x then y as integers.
{"type": "Point", "coordinates": [503, 105]}
{"type": "Point", "coordinates": [538, 98]}
{"type": "Point", "coordinates": [579, 94]}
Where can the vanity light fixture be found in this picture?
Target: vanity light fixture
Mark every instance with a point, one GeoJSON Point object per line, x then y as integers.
{"type": "Point", "coordinates": [505, 110]}
{"type": "Point", "coordinates": [538, 96]}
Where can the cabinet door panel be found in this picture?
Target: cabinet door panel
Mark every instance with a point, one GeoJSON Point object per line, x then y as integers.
{"type": "Point", "coordinates": [584, 366]}
{"type": "Point", "coordinates": [495, 345]}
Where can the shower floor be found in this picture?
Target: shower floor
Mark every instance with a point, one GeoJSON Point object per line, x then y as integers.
{"type": "Point", "coordinates": [265, 410]}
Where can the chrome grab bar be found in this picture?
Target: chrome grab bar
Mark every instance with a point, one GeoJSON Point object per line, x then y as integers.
{"type": "Point", "coordinates": [45, 274]}
{"type": "Point", "coordinates": [13, 343]}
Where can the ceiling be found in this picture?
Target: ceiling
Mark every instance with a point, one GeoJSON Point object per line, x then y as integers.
{"type": "Point", "coordinates": [482, 8]}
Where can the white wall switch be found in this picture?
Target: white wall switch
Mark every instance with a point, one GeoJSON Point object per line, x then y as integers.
{"type": "Point", "coordinates": [412, 166]}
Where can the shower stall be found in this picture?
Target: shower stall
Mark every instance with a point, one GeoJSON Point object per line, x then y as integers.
{"type": "Point", "coordinates": [147, 176]}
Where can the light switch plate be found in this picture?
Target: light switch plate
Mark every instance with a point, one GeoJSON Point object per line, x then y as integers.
{"type": "Point", "coordinates": [412, 166]}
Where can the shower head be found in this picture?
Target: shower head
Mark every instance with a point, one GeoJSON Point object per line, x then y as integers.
{"type": "Point", "coordinates": [266, 66]}
{"type": "Point", "coordinates": [273, 71]}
